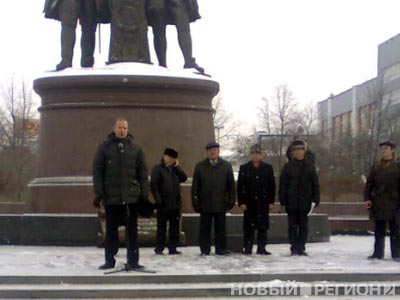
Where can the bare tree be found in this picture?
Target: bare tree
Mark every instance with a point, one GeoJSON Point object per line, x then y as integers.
{"type": "Point", "coordinates": [307, 118]}
{"type": "Point", "coordinates": [224, 126]}
{"type": "Point", "coordinates": [277, 116]}
{"type": "Point", "coordinates": [16, 111]}
{"type": "Point", "coordinates": [241, 144]}
{"type": "Point", "coordinates": [375, 114]}
{"type": "Point", "coordinates": [265, 115]}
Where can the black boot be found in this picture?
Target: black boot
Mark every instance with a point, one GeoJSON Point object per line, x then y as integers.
{"type": "Point", "coordinates": [379, 248]}
{"type": "Point", "coordinates": [263, 252]}
{"type": "Point", "coordinates": [88, 41]}
{"type": "Point", "coordinates": [67, 47]}
{"type": "Point", "coordinates": [107, 265]}
{"type": "Point", "coordinates": [192, 64]}
{"type": "Point", "coordinates": [174, 251]}
{"type": "Point", "coordinates": [135, 266]}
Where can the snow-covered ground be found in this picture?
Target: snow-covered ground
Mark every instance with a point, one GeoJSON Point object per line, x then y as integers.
{"type": "Point", "coordinates": [344, 254]}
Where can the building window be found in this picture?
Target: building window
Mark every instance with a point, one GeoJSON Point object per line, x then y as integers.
{"type": "Point", "coordinates": [391, 73]}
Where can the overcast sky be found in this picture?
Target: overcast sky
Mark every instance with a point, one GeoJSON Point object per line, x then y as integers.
{"type": "Point", "coordinates": [316, 47]}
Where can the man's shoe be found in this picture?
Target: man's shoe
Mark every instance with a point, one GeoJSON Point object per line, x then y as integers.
{"type": "Point", "coordinates": [302, 253]}
{"type": "Point", "coordinates": [246, 252]}
{"type": "Point", "coordinates": [223, 252]}
{"type": "Point", "coordinates": [134, 266]}
{"type": "Point", "coordinates": [158, 251]}
{"type": "Point", "coordinates": [174, 252]}
{"type": "Point", "coordinates": [374, 256]}
{"type": "Point", "coordinates": [107, 265]}
{"type": "Point", "coordinates": [263, 252]}
{"type": "Point", "coordinates": [204, 253]}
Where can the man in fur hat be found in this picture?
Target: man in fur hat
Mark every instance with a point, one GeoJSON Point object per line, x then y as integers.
{"type": "Point", "coordinates": [165, 182]}
{"type": "Point", "coordinates": [256, 196]}
{"type": "Point", "coordinates": [298, 188]}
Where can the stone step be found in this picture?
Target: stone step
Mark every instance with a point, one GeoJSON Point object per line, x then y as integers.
{"type": "Point", "coordinates": [136, 278]}
{"type": "Point", "coordinates": [132, 290]}
{"type": "Point", "coordinates": [350, 223]}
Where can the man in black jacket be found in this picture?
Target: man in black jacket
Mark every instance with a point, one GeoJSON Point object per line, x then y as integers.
{"type": "Point", "coordinates": [256, 197]}
{"type": "Point", "coordinates": [120, 181]}
{"type": "Point", "coordinates": [213, 194]}
{"type": "Point", "coordinates": [165, 187]}
{"type": "Point", "coordinates": [298, 188]}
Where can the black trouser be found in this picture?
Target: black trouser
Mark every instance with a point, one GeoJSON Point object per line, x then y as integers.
{"type": "Point", "coordinates": [173, 218]}
{"type": "Point", "coordinates": [380, 233]}
{"type": "Point", "coordinates": [117, 215]}
{"type": "Point", "coordinates": [206, 220]}
{"type": "Point", "coordinates": [297, 230]}
{"type": "Point", "coordinates": [252, 220]}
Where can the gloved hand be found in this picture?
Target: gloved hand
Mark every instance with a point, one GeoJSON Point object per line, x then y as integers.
{"type": "Point", "coordinates": [230, 205]}
{"type": "Point", "coordinates": [157, 205]}
{"type": "Point", "coordinates": [96, 201]}
{"type": "Point", "coordinates": [196, 208]}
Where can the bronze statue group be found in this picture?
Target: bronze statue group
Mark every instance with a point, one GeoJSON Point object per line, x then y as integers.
{"type": "Point", "coordinates": [121, 185]}
{"type": "Point", "coordinates": [128, 20]}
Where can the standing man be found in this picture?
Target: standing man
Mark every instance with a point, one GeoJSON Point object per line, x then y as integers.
{"type": "Point", "coordinates": [120, 182]}
{"type": "Point", "coordinates": [69, 12]}
{"type": "Point", "coordinates": [256, 197]}
{"type": "Point", "coordinates": [298, 188]}
{"type": "Point", "coordinates": [382, 197]}
{"type": "Point", "coordinates": [213, 194]}
{"type": "Point", "coordinates": [165, 187]}
{"type": "Point", "coordinates": [180, 13]}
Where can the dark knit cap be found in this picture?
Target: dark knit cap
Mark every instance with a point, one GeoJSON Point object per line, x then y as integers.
{"type": "Point", "coordinates": [298, 144]}
{"type": "Point", "coordinates": [171, 152]}
{"type": "Point", "coordinates": [212, 145]}
{"type": "Point", "coordinates": [255, 148]}
{"type": "Point", "coordinates": [391, 144]}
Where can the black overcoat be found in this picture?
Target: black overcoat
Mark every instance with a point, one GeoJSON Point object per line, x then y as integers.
{"type": "Point", "coordinates": [256, 186]}
{"type": "Point", "coordinates": [298, 185]}
{"type": "Point", "coordinates": [213, 187]}
{"type": "Point", "coordinates": [383, 189]}
{"type": "Point", "coordinates": [165, 186]}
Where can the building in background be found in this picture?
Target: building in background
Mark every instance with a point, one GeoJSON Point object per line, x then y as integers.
{"type": "Point", "coordinates": [370, 107]}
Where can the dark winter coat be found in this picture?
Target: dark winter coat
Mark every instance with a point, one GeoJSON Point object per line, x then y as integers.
{"type": "Point", "coordinates": [298, 185]}
{"type": "Point", "coordinates": [213, 187]}
{"type": "Point", "coordinates": [383, 189]}
{"type": "Point", "coordinates": [165, 186]}
{"type": "Point", "coordinates": [256, 186]}
{"type": "Point", "coordinates": [119, 171]}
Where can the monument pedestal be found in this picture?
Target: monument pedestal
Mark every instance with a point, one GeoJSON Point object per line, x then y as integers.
{"type": "Point", "coordinates": [79, 108]}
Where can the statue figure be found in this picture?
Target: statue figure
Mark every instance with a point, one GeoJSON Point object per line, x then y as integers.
{"type": "Point", "coordinates": [180, 13]}
{"type": "Point", "coordinates": [128, 41]}
{"type": "Point", "coordinates": [68, 12]}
